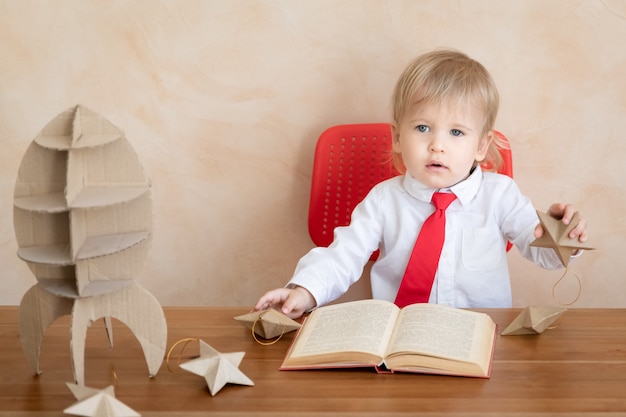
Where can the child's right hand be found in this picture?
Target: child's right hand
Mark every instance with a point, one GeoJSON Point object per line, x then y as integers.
{"type": "Point", "coordinates": [292, 302]}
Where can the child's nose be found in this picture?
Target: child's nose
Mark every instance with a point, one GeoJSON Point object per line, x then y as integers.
{"type": "Point", "coordinates": [436, 144]}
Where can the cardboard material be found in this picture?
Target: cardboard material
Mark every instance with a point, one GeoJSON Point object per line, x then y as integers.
{"type": "Point", "coordinates": [83, 225]}
{"type": "Point", "coordinates": [268, 324]}
{"type": "Point", "coordinates": [82, 201]}
{"type": "Point", "coordinates": [218, 369]}
{"type": "Point", "coordinates": [97, 403]}
{"type": "Point", "coordinates": [555, 236]}
{"type": "Point", "coordinates": [533, 320]}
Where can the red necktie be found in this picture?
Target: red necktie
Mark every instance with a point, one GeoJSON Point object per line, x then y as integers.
{"type": "Point", "coordinates": [420, 271]}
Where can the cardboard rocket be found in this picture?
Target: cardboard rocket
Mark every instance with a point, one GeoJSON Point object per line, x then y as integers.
{"type": "Point", "coordinates": [83, 225]}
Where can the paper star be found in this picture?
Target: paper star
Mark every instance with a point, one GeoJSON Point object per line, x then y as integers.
{"type": "Point", "coordinates": [555, 236]}
{"type": "Point", "coordinates": [217, 368]}
{"type": "Point", "coordinates": [97, 403]}
{"type": "Point", "coordinates": [533, 320]}
{"type": "Point", "coordinates": [268, 324]}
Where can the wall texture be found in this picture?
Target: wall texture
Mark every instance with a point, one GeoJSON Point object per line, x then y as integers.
{"type": "Point", "coordinates": [223, 101]}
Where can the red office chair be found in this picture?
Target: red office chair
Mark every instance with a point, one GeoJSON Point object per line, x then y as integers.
{"type": "Point", "coordinates": [349, 160]}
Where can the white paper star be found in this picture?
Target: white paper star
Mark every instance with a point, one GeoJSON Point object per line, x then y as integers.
{"type": "Point", "coordinates": [94, 402]}
{"type": "Point", "coordinates": [217, 368]}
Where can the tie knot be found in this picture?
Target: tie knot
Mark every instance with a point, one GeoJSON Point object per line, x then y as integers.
{"type": "Point", "coordinates": [441, 201]}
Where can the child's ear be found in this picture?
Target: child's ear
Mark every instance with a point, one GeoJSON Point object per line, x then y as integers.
{"type": "Point", "coordinates": [483, 146]}
{"type": "Point", "coordinates": [395, 137]}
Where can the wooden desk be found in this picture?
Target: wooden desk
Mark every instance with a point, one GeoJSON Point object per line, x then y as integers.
{"type": "Point", "coordinates": [576, 369]}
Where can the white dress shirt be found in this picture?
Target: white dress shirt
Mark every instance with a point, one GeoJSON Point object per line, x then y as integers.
{"type": "Point", "coordinates": [473, 273]}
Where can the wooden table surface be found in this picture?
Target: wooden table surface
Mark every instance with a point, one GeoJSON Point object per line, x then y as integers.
{"type": "Point", "coordinates": [575, 369]}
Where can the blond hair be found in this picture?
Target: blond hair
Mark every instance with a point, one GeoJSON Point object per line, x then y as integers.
{"type": "Point", "coordinates": [443, 76]}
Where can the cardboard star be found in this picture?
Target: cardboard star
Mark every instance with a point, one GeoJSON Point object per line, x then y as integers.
{"type": "Point", "coordinates": [217, 368]}
{"type": "Point", "coordinates": [97, 403]}
{"type": "Point", "coordinates": [268, 324]}
{"type": "Point", "coordinates": [533, 320]}
{"type": "Point", "coordinates": [555, 236]}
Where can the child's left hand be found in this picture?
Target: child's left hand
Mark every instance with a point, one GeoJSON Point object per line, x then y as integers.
{"type": "Point", "coordinates": [565, 212]}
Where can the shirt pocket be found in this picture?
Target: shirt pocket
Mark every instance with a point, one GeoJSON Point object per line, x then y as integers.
{"type": "Point", "coordinates": [481, 248]}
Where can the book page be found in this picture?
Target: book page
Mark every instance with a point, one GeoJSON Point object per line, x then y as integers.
{"type": "Point", "coordinates": [439, 330]}
{"type": "Point", "coordinates": [358, 326]}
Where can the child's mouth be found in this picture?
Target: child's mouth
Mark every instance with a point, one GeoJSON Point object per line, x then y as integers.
{"type": "Point", "coordinates": [436, 165]}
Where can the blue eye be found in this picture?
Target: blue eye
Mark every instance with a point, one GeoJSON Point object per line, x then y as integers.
{"type": "Point", "coordinates": [456, 132]}
{"type": "Point", "coordinates": [423, 128]}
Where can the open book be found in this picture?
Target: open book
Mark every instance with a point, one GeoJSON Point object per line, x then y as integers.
{"type": "Point", "coordinates": [425, 338]}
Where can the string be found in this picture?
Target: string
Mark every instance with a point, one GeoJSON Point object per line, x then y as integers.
{"type": "Point", "coordinates": [580, 287]}
{"type": "Point", "coordinates": [114, 375]}
{"type": "Point", "coordinates": [266, 342]}
{"type": "Point", "coordinates": [169, 352]}
{"type": "Point", "coordinates": [554, 297]}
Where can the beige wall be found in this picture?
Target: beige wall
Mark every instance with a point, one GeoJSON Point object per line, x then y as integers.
{"type": "Point", "coordinates": [223, 101]}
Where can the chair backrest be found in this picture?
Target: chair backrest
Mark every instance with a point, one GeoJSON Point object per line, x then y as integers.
{"type": "Point", "coordinates": [349, 160]}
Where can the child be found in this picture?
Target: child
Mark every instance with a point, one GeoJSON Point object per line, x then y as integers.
{"type": "Point", "coordinates": [444, 110]}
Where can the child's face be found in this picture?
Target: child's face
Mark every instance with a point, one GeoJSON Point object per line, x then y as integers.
{"type": "Point", "coordinates": [440, 142]}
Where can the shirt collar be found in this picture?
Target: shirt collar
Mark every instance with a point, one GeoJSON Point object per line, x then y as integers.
{"type": "Point", "coordinates": [465, 190]}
